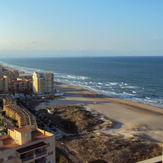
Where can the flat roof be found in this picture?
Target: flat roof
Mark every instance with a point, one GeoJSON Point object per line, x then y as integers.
{"type": "Point", "coordinates": [8, 143]}
{"type": "Point", "coordinates": [38, 135]}
{"type": "Point", "coordinates": [24, 129]}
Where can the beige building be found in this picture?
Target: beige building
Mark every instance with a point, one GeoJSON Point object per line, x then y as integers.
{"type": "Point", "coordinates": [10, 74]}
{"type": "Point", "coordinates": [43, 83]}
{"type": "Point", "coordinates": [7, 99]}
{"type": "Point", "coordinates": [27, 145]}
{"type": "Point", "coordinates": [23, 117]}
{"type": "Point", "coordinates": [5, 77]}
{"type": "Point", "coordinates": [20, 85]}
{"type": "Point", "coordinates": [4, 83]}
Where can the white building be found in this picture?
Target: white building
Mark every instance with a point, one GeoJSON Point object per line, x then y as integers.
{"type": "Point", "coordinates": [43, 83]}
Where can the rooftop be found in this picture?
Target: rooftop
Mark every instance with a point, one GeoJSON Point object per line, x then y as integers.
{"type": "Point", "coordinates": [8, 142]}
{"type": "Point", "coordinates": [38, 135]}
{"type": "Point", "coordinates": [24, 129]}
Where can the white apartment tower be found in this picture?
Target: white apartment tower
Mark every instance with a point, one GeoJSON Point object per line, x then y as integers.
{"type": "Point", "coordinates": [43, 82]}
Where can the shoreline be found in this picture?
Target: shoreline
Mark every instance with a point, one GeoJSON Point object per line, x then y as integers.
{"type": "Point", "coordinates": [132, 118]}
{"type": "Point", "coordinates": [23, 73]}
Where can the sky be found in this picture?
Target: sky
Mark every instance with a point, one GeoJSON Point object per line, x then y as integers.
{"type": "Point", "coordinates": [54, 28]}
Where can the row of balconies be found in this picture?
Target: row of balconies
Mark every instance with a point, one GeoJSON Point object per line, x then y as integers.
{"type": "Point", "coordinates": [33, 155]}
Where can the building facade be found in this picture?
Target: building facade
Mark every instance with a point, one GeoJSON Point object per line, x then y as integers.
{"type": "Point", "coordinates": [43, 83]}
{"type": "Point", "coordinates": [4, 84]}
{"type": "Point", "coordinates": [27, 145]}
{"type": "Point", "coordinates": [10, 74]}
{"type": "Point", "coordinates": [23, 117]}
{"type": "Point", "coordinates": [20, 85]}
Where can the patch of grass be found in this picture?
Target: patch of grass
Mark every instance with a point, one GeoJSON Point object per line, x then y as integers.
{"type": "Point", "coordinates": [60, 158]}
{"type": "Point", "coordinates": [1, 122]}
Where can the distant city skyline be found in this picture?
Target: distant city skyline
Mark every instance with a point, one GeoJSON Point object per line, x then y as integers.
{"type": "Point", "coordinates": [81, 28]}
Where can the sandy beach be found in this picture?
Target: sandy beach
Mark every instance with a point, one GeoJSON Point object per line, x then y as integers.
{"type": "Point", "coordinates": [132, 118]}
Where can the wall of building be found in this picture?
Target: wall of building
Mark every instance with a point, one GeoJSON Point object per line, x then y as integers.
{"type": "Point", "coordinates": [11, 74]}
{"type": "Point", "coordinates": [4, 84]}
{"type": "Point", "coordinates": [20, 85]}
{"type": "Point", "coordinates": [23, 117]}
{"type": "Point", "coordinates": [14, 157]}
{"type": "Point", "coordinates": [43, 83]}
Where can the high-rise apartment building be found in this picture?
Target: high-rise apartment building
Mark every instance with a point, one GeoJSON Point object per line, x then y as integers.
{"type": "Point", "coordinates": [27, 145]}
{"type": "Point", "coordinates": [4, 82]}
{"type": "Point", "coordinates": [43, 83]}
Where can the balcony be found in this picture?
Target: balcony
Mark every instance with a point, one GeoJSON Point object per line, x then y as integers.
{"type": "Point", "coordinates": [42, 153]}
{"type": "Point", "coordinates": [27, 158]}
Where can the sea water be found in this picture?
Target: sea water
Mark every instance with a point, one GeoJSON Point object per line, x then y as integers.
{"type": "Point", "coordinates": [134, 78]}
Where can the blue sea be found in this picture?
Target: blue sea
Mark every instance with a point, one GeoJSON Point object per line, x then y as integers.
{"type": "Point", "coordinates": [134, 78]}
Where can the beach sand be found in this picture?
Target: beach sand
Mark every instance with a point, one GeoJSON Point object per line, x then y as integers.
{"type": "Point", "coordinates": [133, 118]}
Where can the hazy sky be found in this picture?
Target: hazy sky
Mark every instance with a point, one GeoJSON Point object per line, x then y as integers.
{"type": "Point", "coordinates": [81, 27]}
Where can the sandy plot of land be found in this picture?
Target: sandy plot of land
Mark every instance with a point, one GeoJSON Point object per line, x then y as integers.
{"type": "Point", "coordinates": [132, 118]}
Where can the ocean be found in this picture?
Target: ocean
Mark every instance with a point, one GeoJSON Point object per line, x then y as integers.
{"type": "Point", "coordinates": [133, 78]}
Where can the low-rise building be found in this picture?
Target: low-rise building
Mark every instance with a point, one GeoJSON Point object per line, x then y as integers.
{"type": "Point", "coordinates": [20, 85]}
{"type": "Point", "coordinates": [7, 99]}
{"type": "Point", "coordinates": [11, 74]}
{"type": "Point", "coordinates": [23, 117]}
{"type": "Point", "coordinates": [27, 145]}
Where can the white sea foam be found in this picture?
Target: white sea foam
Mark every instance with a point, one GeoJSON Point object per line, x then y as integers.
{"type": "Point", "coordinates": [130, 87]}
{"type": "Point", "coordinates": [113, 83]}
{"type": "Point", "coordinates": [99, 87]}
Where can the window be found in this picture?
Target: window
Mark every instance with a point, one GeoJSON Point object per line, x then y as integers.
{"type": "Point", "coordinates": [9, 157]}
{"type": "Point", "coordinates": [5, 159]}
{"type": "Point", "coordinates": [26, 135]}
{"type": "Point", "coordinates": [50, 153]}
{"type": "Point", "coordinates": [51, 143]}
{"type": "Point", "coordinates": [51, 161]}
{"type": "Point", "coordinates": [13, 156]}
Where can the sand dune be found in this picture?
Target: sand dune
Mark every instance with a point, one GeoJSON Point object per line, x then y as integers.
{"type": "Point", "coordinates": [132, 118]}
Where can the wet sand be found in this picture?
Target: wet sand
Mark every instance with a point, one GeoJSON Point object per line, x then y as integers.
{"type": "Point", "coordinates": [133, 118]}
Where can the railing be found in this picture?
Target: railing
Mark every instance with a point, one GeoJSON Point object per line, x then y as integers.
{"type": "Point", "coordinates": [41, 153]}
{"type": "Point", "coordinates": [27, 158]}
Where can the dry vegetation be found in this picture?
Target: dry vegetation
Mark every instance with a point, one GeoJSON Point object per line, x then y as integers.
{"type": "Point", "coordinates": [74, 119]}
{"type": "Point", "coordinates": [87, 144]}
{"type": "Point", "coordinates": [97, 146]}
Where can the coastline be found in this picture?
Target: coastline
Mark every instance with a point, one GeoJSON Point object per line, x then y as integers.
{"type": "Point", "coordinates": [133, 118]}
